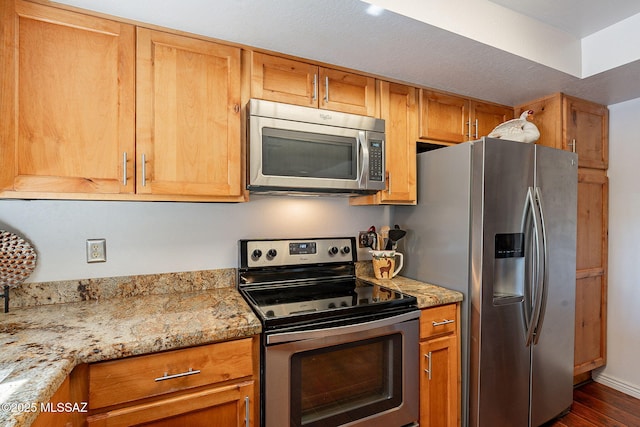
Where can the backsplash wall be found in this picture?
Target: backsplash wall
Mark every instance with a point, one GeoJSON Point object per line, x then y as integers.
{"type": "Point", "coordinates": [160, 237]}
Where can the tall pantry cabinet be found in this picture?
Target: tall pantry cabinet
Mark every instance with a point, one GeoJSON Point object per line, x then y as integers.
{"type": "Point", "coordinates": [580, 126]}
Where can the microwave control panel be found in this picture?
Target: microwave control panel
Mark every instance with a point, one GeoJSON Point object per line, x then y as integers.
{"type": "Point", "coordinates": [375, 160]}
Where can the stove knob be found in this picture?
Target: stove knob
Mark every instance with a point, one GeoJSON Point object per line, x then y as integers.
{"type": "Point", "coordinates": [271, 253]}
{"type": "Point", "coordinates": [346, 250]}
{"type": "Point", "coordinates": [256, 254]}
{"type": "Point", "coordinates": [333, 250]}
{"type": "Point", "coordinates": [344, 304]}
{"type": "Point", "coordinates": [332, 305]}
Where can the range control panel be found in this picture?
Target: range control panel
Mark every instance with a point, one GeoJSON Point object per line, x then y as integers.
{"type": "Point", "coordinates": [285, 252]}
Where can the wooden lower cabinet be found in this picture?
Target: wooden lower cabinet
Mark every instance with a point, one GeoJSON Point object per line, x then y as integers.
{"type": "Point", "coordinates": [228, 406]}
{"type": "Point", "coordinates": [56, 419]}
{"type": "Point", "coordinates": [209, 385]}
{"type": "Point", "coordinates": [591, 270]}
{"type": "Point", "coordinates": [440, 386]}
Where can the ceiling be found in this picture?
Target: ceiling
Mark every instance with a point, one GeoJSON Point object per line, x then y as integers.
{"type": "Point", "coordinates": [578, 17]}
{"type": "Point", "coordinates": [505, 51]}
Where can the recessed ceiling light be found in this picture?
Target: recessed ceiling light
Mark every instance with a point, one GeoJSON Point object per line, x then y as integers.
{"type": "Point", "coordinates": [375, 10]}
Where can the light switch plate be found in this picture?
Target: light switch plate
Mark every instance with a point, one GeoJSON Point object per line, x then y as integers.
{"type": "Point", "coordinates": [96, 250]}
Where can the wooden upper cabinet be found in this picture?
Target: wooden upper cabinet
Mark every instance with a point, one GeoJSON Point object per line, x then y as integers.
{"type": "Point", "coordinates": [67, 113]}
{"type": "Point", "coordinates": [573, 124]}
{"type": "Point", "coordinates": [399, 110]}
{"type": "Point", "coordinates": [485, 117]}
{"type": "Point", "coordinates": [587, 132]}
{"type": "Point", "coordinates": [451, 118]}
{"type": "Point", "coordinates": [443, 117]}
{"type": "Point", "coordinates": [284, 80]}
{"type": "Point", "coordinates": [188, 116]}
{"type": "Point", "coordinates": [347, 92]}
{"type": "Point", "coordinates": [295, 82]}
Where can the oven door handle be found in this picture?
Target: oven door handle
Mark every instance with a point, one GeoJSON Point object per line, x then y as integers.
{"type": "Point", "coordinates": [284, 337]}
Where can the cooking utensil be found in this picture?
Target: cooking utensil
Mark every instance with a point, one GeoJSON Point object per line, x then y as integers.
{"type": "Point", "coordinates": [395, 234]}
{"type": "Point", "coordinates": [384, 232]}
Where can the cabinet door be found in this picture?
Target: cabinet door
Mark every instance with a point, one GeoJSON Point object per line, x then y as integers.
{"type": "Point", "coordinates": [547, 116]}
{"type": "Point", "coordinates": [226, 406]}
{"type": "Point", "coordinates": [70, 118]}
{"type": "Point", "coordinates": [443, 117]}
{"type": "Point", "coordinates": [485, 117]}
{"type": "Point", "coordinates": [591, 273]}
{"type": "Point", "coordinates": [587, 132]}
{"type": "Point", "coordinates": [439, 382]}
{"type": "Point", "coordinates": [188, 116]}
{"type": "Point", "coordinates": [347, 92]}
{"type": "Point", "coordinates": [399, 110]}
{"type": "Point", "coordinates": [284, 80]}
{"type": "Point", "coordinates": [53, 418]}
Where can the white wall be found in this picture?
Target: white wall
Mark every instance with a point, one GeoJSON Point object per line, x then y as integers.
{"type": "Point", "coordinates": [623, 332]}
{"type": "Point", "coordinates": [155, 237]}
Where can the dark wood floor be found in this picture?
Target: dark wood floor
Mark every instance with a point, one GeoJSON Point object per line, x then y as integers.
{"type": "Point", "coordinates": [597, 405]}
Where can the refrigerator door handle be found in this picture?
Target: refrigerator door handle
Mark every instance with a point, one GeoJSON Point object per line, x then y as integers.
{"type": "Point", "coordinates": [539, 267]}
{"type": "Point", "coordinates": [527, 292]}
{"type": "Point", "coordinates": [544, 278]}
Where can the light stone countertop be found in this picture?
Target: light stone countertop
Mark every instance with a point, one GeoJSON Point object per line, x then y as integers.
{"type": "Point", "coordinates": [428, 295]}
{"type": "Point", "coordinates": [53, 327]}
{"type": "Point", "coordinates": [40, 345]}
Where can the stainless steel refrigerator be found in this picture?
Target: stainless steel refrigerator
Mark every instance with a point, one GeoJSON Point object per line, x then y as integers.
{"type": "Point", "coordinates": [496, 220]}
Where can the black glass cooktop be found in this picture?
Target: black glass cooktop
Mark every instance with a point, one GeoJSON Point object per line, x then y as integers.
{"type": "Point", "coordinates": [328, 299]}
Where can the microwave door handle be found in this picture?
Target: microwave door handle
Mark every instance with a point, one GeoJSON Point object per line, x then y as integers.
{"type": "Point", "coordinates": [363, 159]}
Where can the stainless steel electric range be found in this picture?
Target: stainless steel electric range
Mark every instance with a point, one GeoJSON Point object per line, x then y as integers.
{"type": "Point", "coordinates": [336, 350]}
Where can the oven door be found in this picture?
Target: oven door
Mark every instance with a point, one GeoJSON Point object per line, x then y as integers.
{"type": "Point", "coordinates": [363, 374]}
{"type": "Point", "coordinates": [296, 156]}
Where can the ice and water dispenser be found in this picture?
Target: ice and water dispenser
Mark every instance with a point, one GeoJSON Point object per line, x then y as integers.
{"type": "Point", "coordinates": [509, 268]}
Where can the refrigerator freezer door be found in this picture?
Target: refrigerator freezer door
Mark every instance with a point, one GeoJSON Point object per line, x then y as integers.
{"type": "Point", "coordinates": [503, 171]}
{"type": "Point", "coordinates": [552, 360]}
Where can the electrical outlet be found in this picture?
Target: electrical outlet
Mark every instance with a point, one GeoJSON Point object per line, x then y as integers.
{"type": "Point", "coordinates": [96, 250]}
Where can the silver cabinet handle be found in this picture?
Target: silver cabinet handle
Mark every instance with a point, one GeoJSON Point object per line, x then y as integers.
{"type": "Point", "coordinates": [326, 89]}
{"type": "Point", "coordinates": [246, 411]}
{"type": "Point", "coordinates": [476, 126]}
{"type": "Point", "coordinates": [124, 168]}
{"type": "Point", "coordinates": [180, 375]}
{"type": "Point", "coordinates": [315, 87]}
{"type": "Point", "coordinates": [428, 370]}
{"type": "Point", "coordinates": [144, 170]}
{"type": "Point", "coordinates": [444, 322]}
{"type": "Point", "coordinates": [468, 135]}
{"type": "Point", "coordinates": [572, 144]}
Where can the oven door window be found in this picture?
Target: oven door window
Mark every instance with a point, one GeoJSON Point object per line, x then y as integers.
{"type": "Point", "coordinates": [335, 385]}
{"type": "Point", "coordinates": [304, 154]}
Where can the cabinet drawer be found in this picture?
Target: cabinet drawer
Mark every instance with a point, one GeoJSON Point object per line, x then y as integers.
{"type": "Point", "coordinates": [438, 320]}
{"type": "Point", "coordinates": [126, 380]}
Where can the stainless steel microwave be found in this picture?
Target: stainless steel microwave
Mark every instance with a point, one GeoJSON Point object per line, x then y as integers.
{"type": "Point", "coordinates": [302, 149]}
